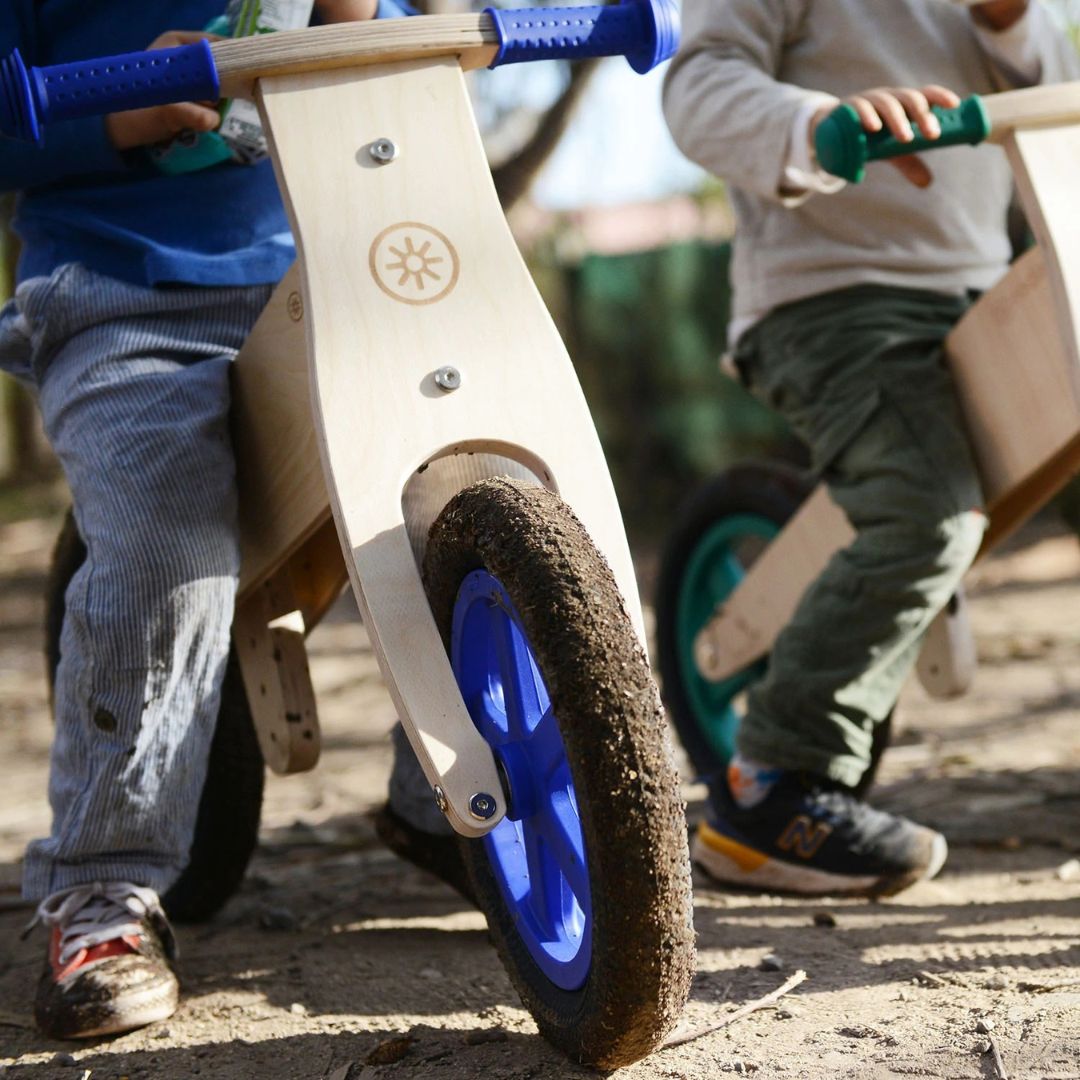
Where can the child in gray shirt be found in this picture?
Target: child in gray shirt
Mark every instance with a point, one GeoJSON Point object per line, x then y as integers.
{"type": "Point", "coordinates": [843, 296]}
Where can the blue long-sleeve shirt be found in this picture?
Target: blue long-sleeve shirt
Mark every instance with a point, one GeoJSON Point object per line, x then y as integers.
{"type": "Point", "coordinates": [80, 200]}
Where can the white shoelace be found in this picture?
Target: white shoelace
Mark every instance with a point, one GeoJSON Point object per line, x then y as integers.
{"type": "Point", "coordinates": [88, 915]}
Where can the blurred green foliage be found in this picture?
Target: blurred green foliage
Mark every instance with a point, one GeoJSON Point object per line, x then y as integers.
{"type": "Point", "coordinates": [646, 332]}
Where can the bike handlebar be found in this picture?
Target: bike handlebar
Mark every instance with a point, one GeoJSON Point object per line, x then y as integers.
{"type": "Point", "coordinates": [646, 32]}
{"type": "Point", "coordinates": [32, 97]}
{"type": "Point", "coordinates": [843, 147]}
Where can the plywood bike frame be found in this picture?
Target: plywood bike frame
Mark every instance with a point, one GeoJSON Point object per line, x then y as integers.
{"type": "Point", "coordinates": [1015, 358]}
{"type": "Point", "coordinates": [404, 268]}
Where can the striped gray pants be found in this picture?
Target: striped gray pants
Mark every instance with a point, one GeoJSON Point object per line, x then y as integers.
{"type": "Point", "coordinates": [133, 388]}
{"type": "Point", "coordinates": [132, 384]}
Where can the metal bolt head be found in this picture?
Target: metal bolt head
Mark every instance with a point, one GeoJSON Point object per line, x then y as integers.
{"type": "Point", "coordinates": [448, 378]}
{"type": "Point", "coordinates": [482, 806]}
{"type": "Point", "coordinates": [383, 151]}
{"type": "Point", "coordinates": [440, 799]}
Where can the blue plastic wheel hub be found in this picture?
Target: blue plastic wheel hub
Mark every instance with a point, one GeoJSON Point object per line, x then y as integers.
{"type": "Point", "coordinates": [537, 852]}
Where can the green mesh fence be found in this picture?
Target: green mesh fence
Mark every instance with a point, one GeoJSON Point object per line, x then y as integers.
{"type": "Point", "coordinates": [646, 332]}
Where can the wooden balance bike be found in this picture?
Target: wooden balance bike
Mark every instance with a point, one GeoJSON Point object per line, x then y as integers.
{"type": "Point", "coordinates": [754, 538]}
{"type": "Point", "coordinates": [407, 419]}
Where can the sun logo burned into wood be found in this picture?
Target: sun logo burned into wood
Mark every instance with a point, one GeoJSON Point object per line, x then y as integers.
{"type": "Point", "coordinates": [413, 263]}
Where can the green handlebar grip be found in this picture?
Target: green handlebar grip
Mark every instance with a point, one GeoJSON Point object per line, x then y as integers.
{"type": "Point", "coordinates": [843, 147]}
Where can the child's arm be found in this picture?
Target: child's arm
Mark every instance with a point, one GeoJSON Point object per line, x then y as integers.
{"type": "Point", "coordinates": [999, 15]}
{"type": "Point", "coordinates": [74, 148]}
{"type": "Point", "coordinates": [331, 11]}
{"type": "Point", "coordinates": [723, 103]}
{"type": "Point", "coordinates": [1023, 44]}
{"type": "Point", "coordinates": [95, 145]}
{"type": "Point", "coordinates": [143, 127]}
{"type": "Point", "coordinates": [728, 112]}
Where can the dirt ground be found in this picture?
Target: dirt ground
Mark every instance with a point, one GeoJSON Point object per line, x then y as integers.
{"type": "Point", "coordinates": [335, 956]}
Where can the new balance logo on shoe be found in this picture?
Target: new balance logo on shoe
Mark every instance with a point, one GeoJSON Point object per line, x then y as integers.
{"type": "Point", "coordinates": [804, 836]}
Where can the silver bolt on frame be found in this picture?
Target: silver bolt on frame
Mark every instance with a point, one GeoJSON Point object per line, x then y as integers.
{"type": "Point", "coordinates": [383, 151]}
{"type": "Point", "coordinates": [440, 799]}
{"type": "Point", "coordinates": [448, 378]}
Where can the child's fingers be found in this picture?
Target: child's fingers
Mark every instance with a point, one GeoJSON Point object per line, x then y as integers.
{"type": "Point", "coordinates": [188, 116]}
{"type": "Point", "coordinates": [171, 38]}
{"type": "Point", "coordinates": [941, 95]}
{"type": "Point", "coordinates": [898, 107]}
{"type": "Point", "coordinates": [892, 112]}
{"type": "Point", "coordinates": [914, 170]}
{"type": "Point", "coordinates": [868, 115]}
{"type": "Point", "coordinates": [917, 108]}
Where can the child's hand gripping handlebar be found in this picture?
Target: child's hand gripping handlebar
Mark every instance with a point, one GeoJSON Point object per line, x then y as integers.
{"type": "Point", "coordinates": [844, 147]}
{"type": "Point", "coordinates": [644, 31]}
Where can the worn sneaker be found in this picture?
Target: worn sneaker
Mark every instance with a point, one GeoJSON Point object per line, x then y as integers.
{"type": "Point", "coordinates": [809, 837]}
{"type": "Point", "coordinates": [438, 855]}
{"type": "Point", "coordinates": [110, 961]}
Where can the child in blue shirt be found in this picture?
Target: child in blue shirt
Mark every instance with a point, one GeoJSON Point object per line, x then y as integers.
{"type": "Point", "coordinates": [136, 290]}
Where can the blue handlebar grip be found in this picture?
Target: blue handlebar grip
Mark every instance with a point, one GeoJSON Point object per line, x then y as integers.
{"type": "Point", "coordinates": [646, 32]}
{"type": "Point", "coordinates": [31, 98]}
{"type": "Point", "coordinates": [843, 147]}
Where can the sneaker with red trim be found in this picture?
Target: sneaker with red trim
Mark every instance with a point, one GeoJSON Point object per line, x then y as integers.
{"type": "Point", "coordinates": [110, 961]}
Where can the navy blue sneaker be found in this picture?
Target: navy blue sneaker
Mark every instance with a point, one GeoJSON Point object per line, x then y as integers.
{"type": "Point", "coordinates": [807, 836]}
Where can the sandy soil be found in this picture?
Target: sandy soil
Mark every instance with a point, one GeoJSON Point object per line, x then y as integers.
{"type": "Point", "coordinates": [337, 962]}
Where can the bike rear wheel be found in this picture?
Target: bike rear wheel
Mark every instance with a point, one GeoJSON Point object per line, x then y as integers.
{"type": "Point", "coordinates": [724, 526]}
{"type": "Point", "coordinates": [586, 883]}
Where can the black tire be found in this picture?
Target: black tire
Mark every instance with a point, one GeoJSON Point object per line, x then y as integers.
{"type": "Point", "coordinates": [612, 727]}
{"type": "Point", "coordinates": [765, 492]}
{"type": "Point", "coordinates": [227, 828]}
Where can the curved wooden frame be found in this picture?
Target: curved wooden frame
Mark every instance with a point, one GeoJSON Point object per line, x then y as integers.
{"type": "Point", "coordinates": [376, 417]}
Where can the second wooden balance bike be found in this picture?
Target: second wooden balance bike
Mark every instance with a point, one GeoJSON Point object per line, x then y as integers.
{"type": "Point", "coordinates": [407, 419]}
{"type": "Point", "coordinates": [751, 540]}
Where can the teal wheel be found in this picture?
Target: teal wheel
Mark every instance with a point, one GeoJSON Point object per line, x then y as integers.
{"type": "Point", "coordinates": [586, 883]}
{"type": "Point", "coordinates": [723, 527]}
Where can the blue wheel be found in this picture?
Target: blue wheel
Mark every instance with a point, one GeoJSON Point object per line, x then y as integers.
{"type": "Point", "coordinates": [537, 852]}
{"type": "Point", "coordinates": [586, 883]}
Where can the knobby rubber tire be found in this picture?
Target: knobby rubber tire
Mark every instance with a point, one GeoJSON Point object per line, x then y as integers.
{"type": "Point", "coordinates": [227, 827]}
{"type": "Point", "coordinates": [612, 726]}
{"type": "Point", "coordinates": [767, 490]}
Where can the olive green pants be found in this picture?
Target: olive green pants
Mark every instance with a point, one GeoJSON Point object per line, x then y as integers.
{"type": "Point", "coordinates": [859, 374]}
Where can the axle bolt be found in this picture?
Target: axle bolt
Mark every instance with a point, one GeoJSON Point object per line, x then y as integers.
{"type": "Point", "coordinates": [482, 806]}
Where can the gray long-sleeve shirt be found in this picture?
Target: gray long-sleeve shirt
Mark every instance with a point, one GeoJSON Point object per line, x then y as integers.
{"type": "Point", "coordinates": [747, 67]}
